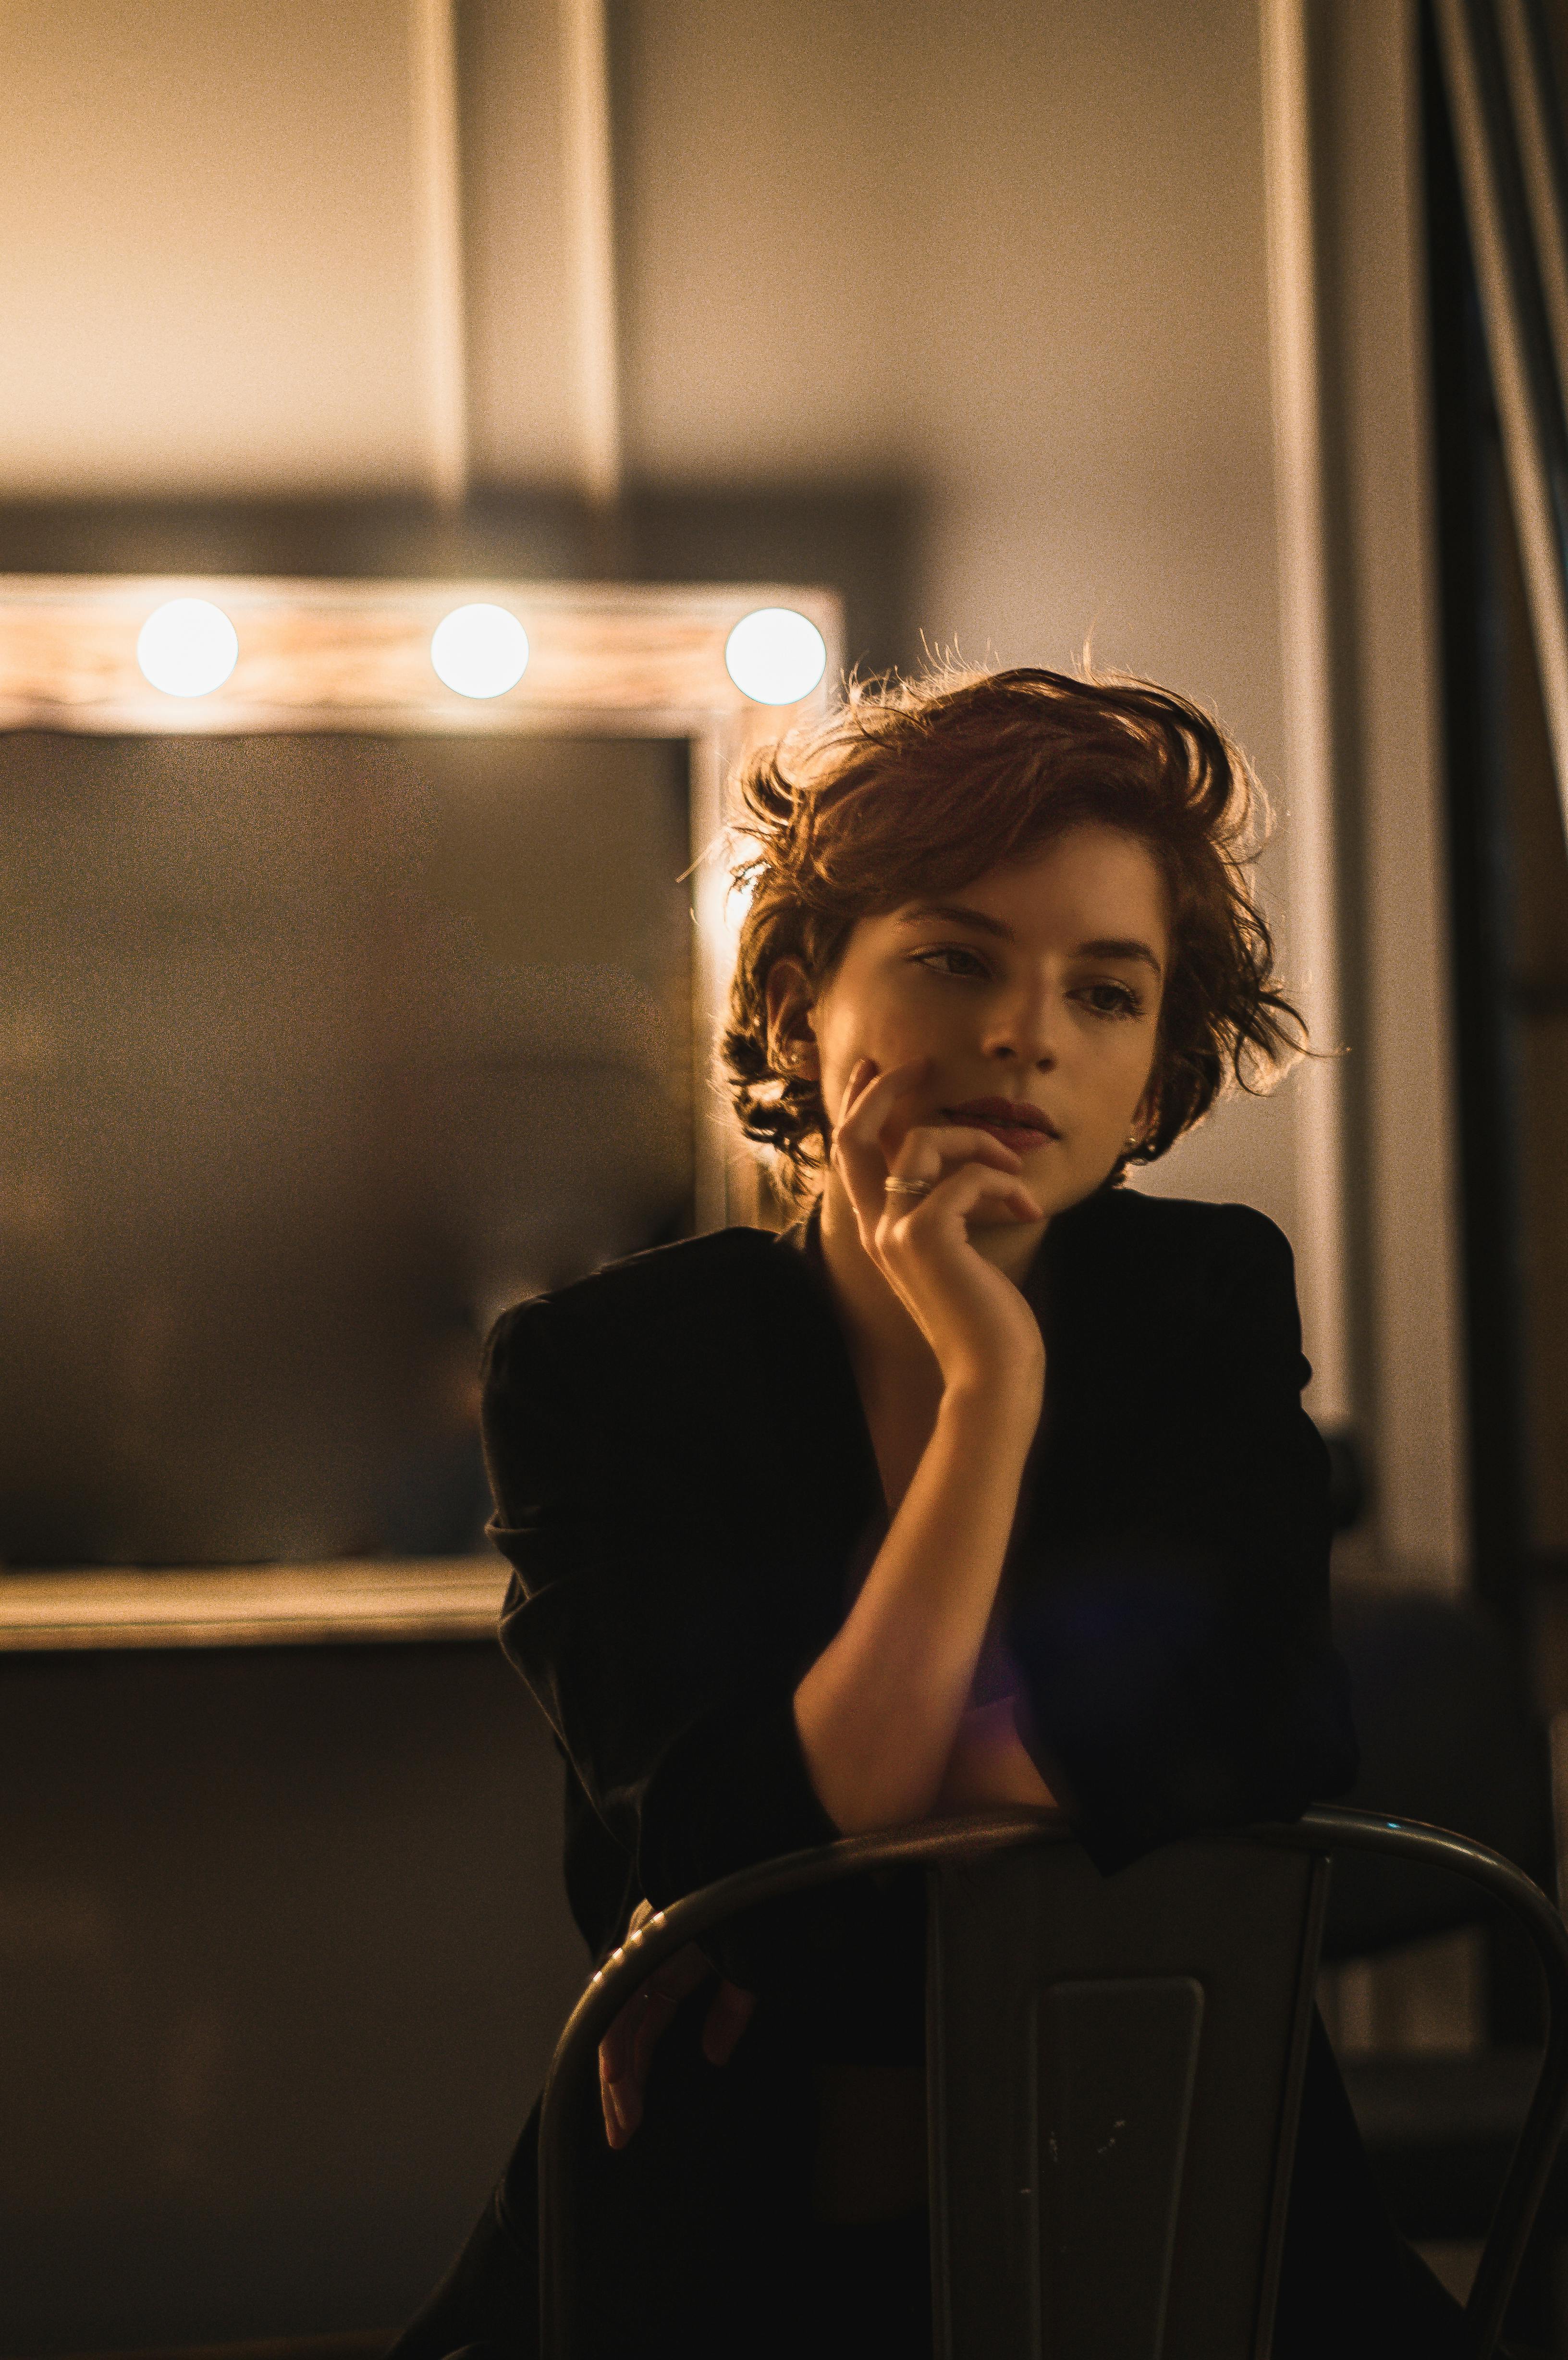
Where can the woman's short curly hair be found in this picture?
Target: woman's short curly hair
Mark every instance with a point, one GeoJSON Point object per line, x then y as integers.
{"type": "Point", "coordinates": [916, 786]}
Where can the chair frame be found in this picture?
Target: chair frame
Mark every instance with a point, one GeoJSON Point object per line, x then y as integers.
{"type": "Point", "coordinates": [945, 1844]}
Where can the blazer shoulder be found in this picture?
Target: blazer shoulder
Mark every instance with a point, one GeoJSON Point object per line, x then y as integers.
{"type": "Point", "coordinates": [1181, 1258]}
{"type": "Point", "coordinates": [661, 1282]}
{"type": "Point", "coordinates": [1207, 1286]}
{"type": "Point", "coordinates": [1190, 1228]}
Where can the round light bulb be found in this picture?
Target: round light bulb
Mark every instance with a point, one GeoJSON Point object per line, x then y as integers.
{"type": "Point", "coordinates": [480, 650]}
{"type": "Point", "coordinates": [776, 656]}
{"type": "Point", "coordinates": [188, 647]}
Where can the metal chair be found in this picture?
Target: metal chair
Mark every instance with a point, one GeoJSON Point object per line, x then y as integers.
{"type": "Point", "coordinates": [1114, 2069]}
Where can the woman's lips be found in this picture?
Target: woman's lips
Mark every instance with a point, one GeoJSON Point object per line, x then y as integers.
{"type": "Point", "coordinates": [1023, 1138]}
{"type": "Point", "coordinates": [1001, 1120]}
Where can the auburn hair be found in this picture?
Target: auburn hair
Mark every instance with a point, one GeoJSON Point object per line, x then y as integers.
{"type": "Point", "coordinates": [917, 786]}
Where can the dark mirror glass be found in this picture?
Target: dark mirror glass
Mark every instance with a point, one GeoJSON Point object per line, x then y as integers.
{"type": "Point", "coordinates": [314, 1053]}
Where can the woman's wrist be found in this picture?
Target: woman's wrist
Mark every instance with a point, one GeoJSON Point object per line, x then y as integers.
{"type": "Point", "coordinates": [1000, 1405]}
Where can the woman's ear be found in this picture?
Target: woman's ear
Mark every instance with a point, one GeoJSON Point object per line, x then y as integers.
{"type": "Point", "coordinates": [791, 1048]}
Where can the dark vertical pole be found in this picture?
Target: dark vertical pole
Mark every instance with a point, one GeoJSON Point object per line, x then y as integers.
{"type": "Point", "coordinates": [1473, 523]}
{"type": "Point", "coordinates": [1475, 562]}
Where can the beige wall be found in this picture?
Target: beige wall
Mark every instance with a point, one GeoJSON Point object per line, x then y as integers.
{"type": "Point", "coordinates": [522, 373]}
{"type": "Point", "coordinates": [1015, 253]}
{"type": "Point", "coordinates": [211, 224]}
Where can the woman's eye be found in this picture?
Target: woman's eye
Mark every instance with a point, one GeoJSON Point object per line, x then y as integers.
{"type": "Point", "coordinates": [1111, 998]}
{"type": "Point", "coordinates": [958, 961]}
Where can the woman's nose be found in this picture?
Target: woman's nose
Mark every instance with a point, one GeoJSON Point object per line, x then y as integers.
{"type": "Point", "coordinates": [1025, 1031]}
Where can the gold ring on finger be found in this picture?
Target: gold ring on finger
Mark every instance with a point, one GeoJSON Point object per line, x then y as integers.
{"type": "Point", "coordinates": [897, 1187]}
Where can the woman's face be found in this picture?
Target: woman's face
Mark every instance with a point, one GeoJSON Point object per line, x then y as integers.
{"type": "Point", "coordinates": [1040, 983]}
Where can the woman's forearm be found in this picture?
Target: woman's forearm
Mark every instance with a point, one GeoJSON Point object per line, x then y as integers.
{"type": "Point", "coordinates": [879, 1710]}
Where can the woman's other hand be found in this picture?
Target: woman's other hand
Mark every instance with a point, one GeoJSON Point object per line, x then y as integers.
{"type": "Point", "coordinates": [626, 2053]}
{"type": "Point", "coordinates": [983, 1333]}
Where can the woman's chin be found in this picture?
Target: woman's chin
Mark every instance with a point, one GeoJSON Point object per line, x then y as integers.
{"type": "Point", "coordinates": [1001, 1221]}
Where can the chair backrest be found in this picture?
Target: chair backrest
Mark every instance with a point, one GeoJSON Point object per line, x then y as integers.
{"type": "Point", "coordinates": [1115, 2067]}
{"type": "Point", "coordinates": [1115, 2073]}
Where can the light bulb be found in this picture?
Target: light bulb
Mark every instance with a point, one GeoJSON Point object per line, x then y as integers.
{"type": "Point", "coordinates": [480, 650]}
{"type": "Point", "coordinates": [188, 647]}
{"type": "Point", "coordinates": [776, 656]}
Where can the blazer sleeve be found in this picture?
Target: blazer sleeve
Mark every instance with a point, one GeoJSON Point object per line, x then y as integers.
{"type": "Point", "coordinates": [649, 1658]}
{"type": "Point", "coordinates": [1176, 1663]}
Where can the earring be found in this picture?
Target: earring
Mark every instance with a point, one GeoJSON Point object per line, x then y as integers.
{"type": "Point", "coordinates": [1133, 1139]}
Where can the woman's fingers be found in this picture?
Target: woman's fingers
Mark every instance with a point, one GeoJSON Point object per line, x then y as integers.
{"type": "Point", "coordinates": [727, 2019]}
{"type": "Point", "coordinates": [932, 1150]}
{"type": "Point", "coordinates": [654, 2019]}
{"type": "Point", "coordinates": [868, 1100]}
{"type": "Point", "coordinates": [933, 1156]}
{"type": "Point", "coordinates": [927, 1152]}
{"type": "Point", "coordinates": [955, 1196]}
{"type": "Point", "coordinates": [625, 2052]}
{"type": "Point", "coordinates": [618, 2092]}
{"type": "Point", "coordinates": [972, 1317]}
{"type": "Point", "coordinates": [858, 1152]}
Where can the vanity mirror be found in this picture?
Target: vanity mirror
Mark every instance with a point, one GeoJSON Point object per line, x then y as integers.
{"type": "Point", "coordinates": [361, 972]}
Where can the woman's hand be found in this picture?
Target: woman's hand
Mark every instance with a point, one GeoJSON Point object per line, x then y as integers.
{"type": "Point", "coordinates": [976, 1322]}
{"type": "Point", "coordinates": [625, 2052]}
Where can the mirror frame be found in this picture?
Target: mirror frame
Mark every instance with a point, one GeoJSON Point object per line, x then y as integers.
{"type": "Point", "coordinates": [605, 659]}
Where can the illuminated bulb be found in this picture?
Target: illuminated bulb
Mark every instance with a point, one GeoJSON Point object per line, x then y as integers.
{"type": "Point", "coordinates": [480, 650]}
{"type": "Point", "coordinates": [188, 647]}
{"type": "Point", "coordinates": [776, 656]}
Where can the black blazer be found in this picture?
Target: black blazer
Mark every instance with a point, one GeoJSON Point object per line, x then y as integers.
{"type": "Point", "coordinates": [684, 1477]}
{"type": "Point", "coordinates": [686, 1489]}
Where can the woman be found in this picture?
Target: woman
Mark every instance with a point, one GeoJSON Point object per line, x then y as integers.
{"type": "Point", "coordinates": [988, 1482]}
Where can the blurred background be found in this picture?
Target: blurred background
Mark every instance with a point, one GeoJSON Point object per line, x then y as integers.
{"type": "Point", "coordinates": [1016, 327]}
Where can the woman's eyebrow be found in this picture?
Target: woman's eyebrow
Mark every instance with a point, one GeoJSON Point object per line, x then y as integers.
{"type": "Point", "coordinates": [1104, 947]}
{"type": "Point", "coordinates": [1118, 947]}
{"type": "Point", "coordinates": [958, 914]}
